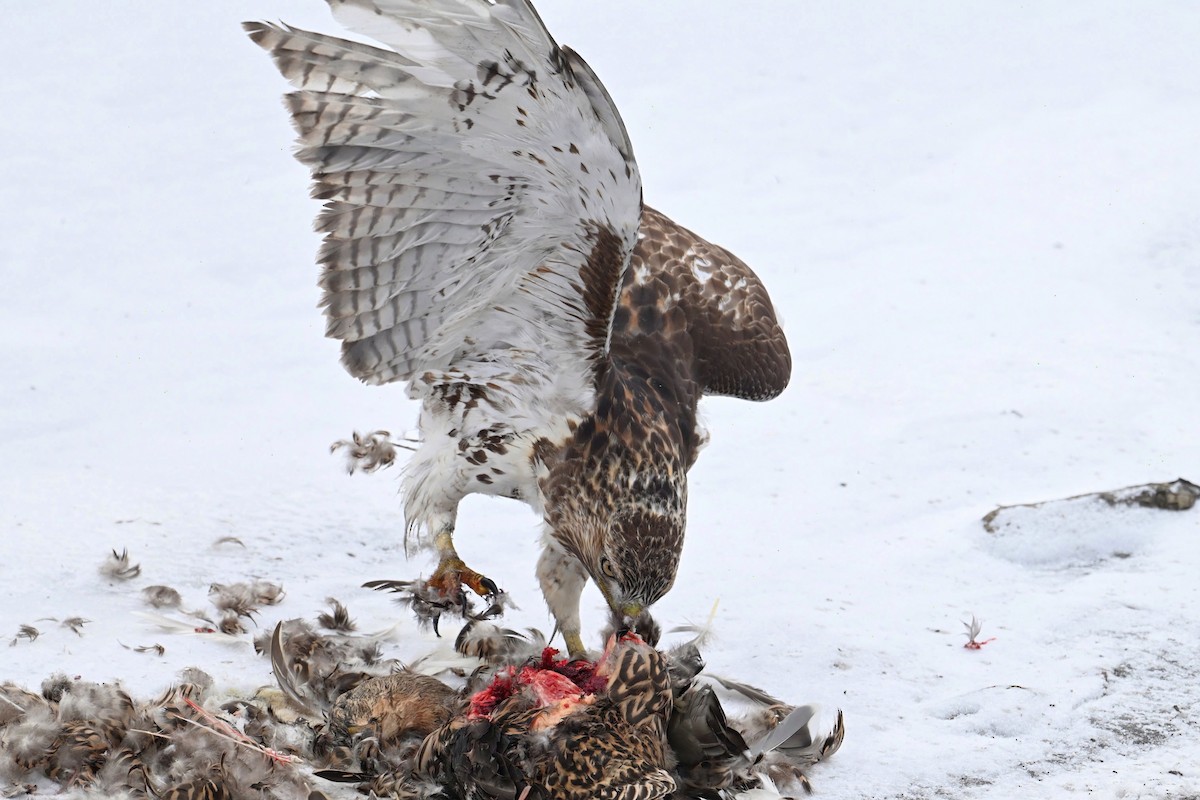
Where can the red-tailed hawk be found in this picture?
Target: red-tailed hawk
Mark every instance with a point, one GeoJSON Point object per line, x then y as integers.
{"type": "Point", "coordinates": [486, 241]}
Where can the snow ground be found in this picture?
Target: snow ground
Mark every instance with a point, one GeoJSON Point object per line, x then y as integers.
{"type": "Point", "coordinates": [980, 222]}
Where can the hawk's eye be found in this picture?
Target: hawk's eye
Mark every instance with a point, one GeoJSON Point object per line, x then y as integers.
{"type": "Point", "coordinates": [607, 568]}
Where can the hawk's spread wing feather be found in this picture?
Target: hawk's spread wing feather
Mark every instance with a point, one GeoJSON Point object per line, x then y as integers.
{"type": "Point", "coordinates": [480, 188]}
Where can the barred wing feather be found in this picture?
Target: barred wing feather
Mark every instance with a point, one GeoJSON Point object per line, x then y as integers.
{"type": "Point", "coordinates": [481, 193]}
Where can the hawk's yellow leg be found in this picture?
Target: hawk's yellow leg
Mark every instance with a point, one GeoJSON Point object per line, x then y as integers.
{"type": "Point", "coordinates": [452, 574]}
{"type": "Point", "coordinates": [575, 646]}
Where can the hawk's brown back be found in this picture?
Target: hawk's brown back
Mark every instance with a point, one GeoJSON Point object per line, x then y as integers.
{"type": "Point", "coordinates": [736, 345]}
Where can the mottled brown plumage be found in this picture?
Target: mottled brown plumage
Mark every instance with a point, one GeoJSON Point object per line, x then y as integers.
{"type": "Point", "coordinates": [736, 346]}
{"type": "Point", "coordinates": [610, 746]}
{"type": "Point", "coordinates": [486, 241]}
{"type": "Point", "coordinates": [80, 751]}
{"type": "Point", "coordinates": [691, 319]}
{"type": "Point", "coordinates": [393, 707]}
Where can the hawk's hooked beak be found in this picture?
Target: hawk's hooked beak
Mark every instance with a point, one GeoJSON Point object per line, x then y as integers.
{"type": "Point", "coordinates": [634, 618]}
{"type": "Point", "coordinates": [631, 617]}
{"type": "Point", "coordinates": [627, 616]}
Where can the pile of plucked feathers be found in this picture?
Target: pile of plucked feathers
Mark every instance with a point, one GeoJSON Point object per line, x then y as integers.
{"type": "Point", "coordinates": [508, 719]}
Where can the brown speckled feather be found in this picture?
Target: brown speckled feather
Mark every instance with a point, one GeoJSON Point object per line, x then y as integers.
{"type": "Point", "coordinates": [729, 338]}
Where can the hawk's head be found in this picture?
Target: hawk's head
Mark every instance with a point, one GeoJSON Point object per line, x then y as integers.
{"type": "Point", "coordinates": [635, 565]}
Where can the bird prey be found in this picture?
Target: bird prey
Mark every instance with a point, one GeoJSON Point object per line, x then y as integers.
{"type": "Point", "coordinates": [486, 242]}
{"type": "Point", "coordinates": [545, 737]}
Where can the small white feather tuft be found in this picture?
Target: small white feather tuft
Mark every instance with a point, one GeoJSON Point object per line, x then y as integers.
{"type": "Point", "coordinates": [117, 566]}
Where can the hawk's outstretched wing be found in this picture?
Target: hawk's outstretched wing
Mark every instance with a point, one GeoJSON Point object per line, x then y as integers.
{"type": "Point", "coordinates": [481, 190]}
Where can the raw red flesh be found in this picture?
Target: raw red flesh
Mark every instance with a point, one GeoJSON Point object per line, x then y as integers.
{"type": "Point", "coordinates": [553, 680]}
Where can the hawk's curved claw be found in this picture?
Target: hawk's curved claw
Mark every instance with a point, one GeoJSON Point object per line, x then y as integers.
{"type": "Point", "coordinates": [452, 575]}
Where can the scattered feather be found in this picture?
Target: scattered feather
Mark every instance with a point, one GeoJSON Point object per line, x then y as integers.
{"type": "Point", "coordinates": [198, 681]}
{"type": "Point", "coordinates": [428, 604]}
{"type": "Point", "coordinates": [267, 593]}
{"type": "Point", "coordinates": [157, 649]}
{"type": "Point", "coordinates": [370, 653]}
{"type": "Point", "coordinates": [494, 645]}
{"type": "Point", "coordinates": [244, 599]}
{"type": "Point", "coordinates": [27, 741]}
{"type": "Point", "coordinates": [236, 598]}
{"type": "Point", "coordinates": [337, 618]}
{"type": "Point", "coordinates": [25, 632]}
{"type": "Point", "coordinates": [231, 622]}
{"type": "Point", "coordinates": [180, 626]}
{"type": "Point", "coordinates": [974, 628]}
{"type": "Point", "coordinates": [75, 624]}
{"type": "Point", "coordinates": [368, 452]}
{"type": "Point", "coordinates": [117, 566]}
{"type": "Point", "coordinates": [162, 597]}
{"type": "Point", "coordinates": [15, 702]}
{"type": "Point", "coordinates": [344, 714]}
{"type": "Point", "coordinates": [55, 686]}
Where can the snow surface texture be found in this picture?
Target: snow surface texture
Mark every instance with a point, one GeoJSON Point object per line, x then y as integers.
{"type": "Point", "coordinates": [979, 221]}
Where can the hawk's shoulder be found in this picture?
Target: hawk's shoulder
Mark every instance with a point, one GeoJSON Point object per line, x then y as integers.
{"type": "Point", "coordinates": [683, 288]}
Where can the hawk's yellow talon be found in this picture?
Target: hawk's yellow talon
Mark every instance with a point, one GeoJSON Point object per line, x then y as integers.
{"type": "Point", "coordinates": [452, 574]}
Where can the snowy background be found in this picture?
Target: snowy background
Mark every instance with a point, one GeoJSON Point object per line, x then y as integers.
{"type": "Point", "coordinates": [980, 223]}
